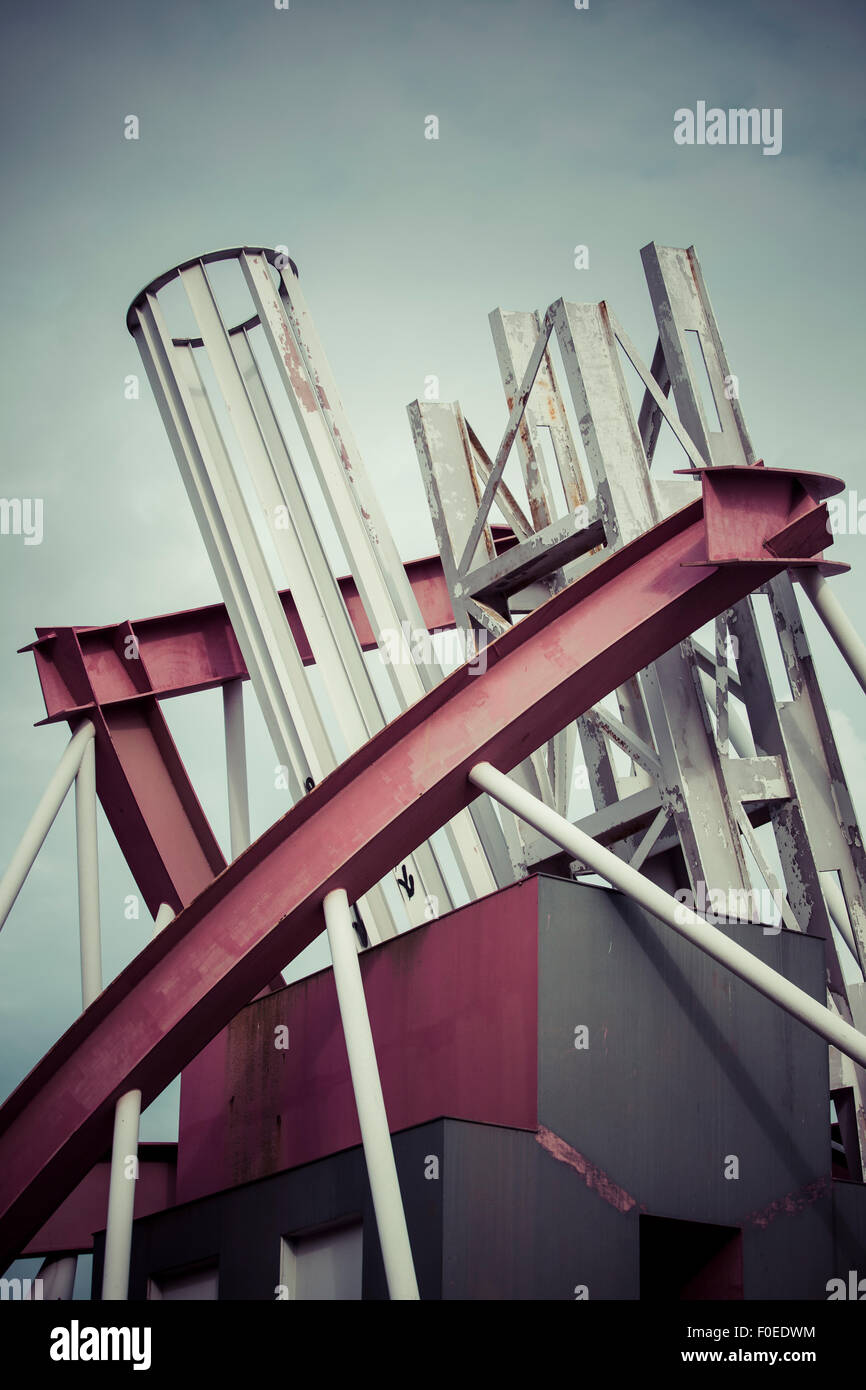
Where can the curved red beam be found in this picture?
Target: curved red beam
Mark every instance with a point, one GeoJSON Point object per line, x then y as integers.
{"type": "Point", "coordinates": [410, 779]}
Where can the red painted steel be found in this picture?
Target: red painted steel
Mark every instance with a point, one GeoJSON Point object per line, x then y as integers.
{"type": "Point", "coordinates": [453, 1009]}
{"type": "Point", "coordinates": [116, 675]}
{"type": "Point", "coordinates": [348, 833]}
{"type": "Point", "coordinates": [72, 1226]}
{"type": "Point", "coordinates": [180, 653]}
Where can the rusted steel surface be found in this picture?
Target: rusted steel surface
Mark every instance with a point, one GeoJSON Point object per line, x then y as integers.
{"type": "Point", "coordinates": [347, 833]}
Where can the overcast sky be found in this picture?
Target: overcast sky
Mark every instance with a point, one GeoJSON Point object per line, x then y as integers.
{"type": "Point", "coordinates": [305, 127]}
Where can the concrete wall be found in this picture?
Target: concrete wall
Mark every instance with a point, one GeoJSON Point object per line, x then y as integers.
{"type": "Point", "coordinates": [687, 1068]}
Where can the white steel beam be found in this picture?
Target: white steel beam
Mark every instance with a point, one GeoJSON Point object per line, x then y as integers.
{"type": "Point", "coordinates": [674, 914]}
{"type": "Point", "coordinates": [385, 592]}
{"type": "Point", "coordinates": [57, 1276]}
{"type": "Point", "coordinates": [236, 767]}
{"type": "Point", "coordinates": [43, 819]}
{"type": "Point", "coordinates": [88, 875]}
{"type": "Point", "coordinates": [123, 1178]}
{"type": "Point", "coordinates": [366, 1083]}
{"type": "Point", "coordinates": [835, 620]}
{"type": "Point", "coordinates": [121, 1198]}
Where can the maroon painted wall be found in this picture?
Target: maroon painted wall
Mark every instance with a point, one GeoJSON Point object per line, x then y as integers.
{"type": "Point", "coordinates": [454, 1013]}
{"type": "Point", "coordinates": [72, 1226]}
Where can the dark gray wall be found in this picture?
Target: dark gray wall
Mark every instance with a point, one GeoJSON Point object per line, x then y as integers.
{"type": "Point", "coordinates": [686, 1065]}
{"type": "Point", "coordinates": [849, 1229]}
{"type": "Point", "coordinates": [241, 1228]}
{"type": "Point", "coordinates": [520, 1225]}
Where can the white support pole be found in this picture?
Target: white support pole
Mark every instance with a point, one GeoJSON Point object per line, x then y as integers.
{"type": "Point", "coordinates": [236, 767]}
{"type": "Point", "coordinates": [121, 1198]}
{"type": "Point", "coordinates": [124, 1175]}
{"type": "Point", "coordinates": [88, 875]}
{"type": "Point", "coordinates": [835, 620]}
{"type": "Point", "coordinates": [738, 732]}
{"type": "Point", "coordinates": [58, 1277]}
{"type": "Point", "coordinates": [837, 907]}
{"type": "Point", "coordinates": [674, 914]}
{"type": "Point", "coordinates": [375, 1134]}
{"type": "Point", "coordinates": [43, 819]}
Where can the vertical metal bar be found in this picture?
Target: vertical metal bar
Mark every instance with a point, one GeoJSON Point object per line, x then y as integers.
{"type": "Point", "coordinates": [121, 1187]}
{"type": "Point", "coordinates": [319, 602]}
{"type": "Point", "coordinates": [738, 734]}
{"type": "Point", "coordinates": [42, 819]}
{"type": "Point", "coordinates": [236, 767]}
{"type": "Point", "coordinates": [88, 875]}
{"type": "Point", "coordinates": [721, 633]}
{"type": "Point", "coordinates": [121, 1198]}
{"type": "Point", "coordinates": [514, 420]}
{"type": "Point", "coordinates": [369, 548]}
{"type": "Point", "coordinates": [366, 1083]}
{"type": "Point", "coordinates": [692, 772]}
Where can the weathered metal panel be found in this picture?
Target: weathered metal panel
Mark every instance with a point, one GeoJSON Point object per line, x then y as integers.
{"type": "Point", "coordinates": [520, 1222]}
{"type": "Point", "coordinates": [684, 1069]}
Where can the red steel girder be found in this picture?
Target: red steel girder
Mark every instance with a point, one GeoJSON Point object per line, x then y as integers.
{"type": "Point", "coordinates": [179, 653]}
{"type": "Point", "coordinates": [349, 832]}
{"type": "Point", "coordinates": [116, 675]}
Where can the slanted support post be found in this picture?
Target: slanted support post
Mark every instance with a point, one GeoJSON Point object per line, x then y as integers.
{"type": "Point", "coordinates": [88, 875]}
{"type": "Point", "coordinates": [835, 620]}
{"type": "Point", "coordinates": [236, 767]}
{"type": "Point", "coordinates": [121, 1188]}
{"type": "Point", "coordinates": [57, 1274]}
{"type": "Point", "coordinates": [43, 819]}
{"type": "Point", "coordinates": [375, 1134]}
{"type": "Point", "coordinates": [674, 914]}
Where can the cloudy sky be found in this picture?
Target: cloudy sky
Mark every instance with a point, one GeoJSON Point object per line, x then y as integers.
{"type": "Point", "coordinates": [305, 127]}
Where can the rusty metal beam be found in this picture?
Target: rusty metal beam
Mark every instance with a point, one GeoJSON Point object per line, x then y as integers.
{"type": "Point", "coordinates": [348, 832]}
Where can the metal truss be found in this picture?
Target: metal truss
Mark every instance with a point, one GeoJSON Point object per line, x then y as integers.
{"type": "Point", "coordinates": [714, 755]}
{"type": "Point", "coordinates": [415, 775]}
{"type": "Point", "coordinates": [227, 431]}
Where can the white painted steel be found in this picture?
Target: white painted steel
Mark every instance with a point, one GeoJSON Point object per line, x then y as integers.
{"type": "Point", "coordinates": [375, 1134]}
{"type": "Point", "coordinates": [835, 620]}
{"type": "Point", "coordinates": [384, 589]}
{"type": "Point", "coordinates": [738, 732]}
{"type": "Point", "coordinates": [292, 714]}
{"type": "Point", "coordinates": [744, 747]}
{"type": "Point", "coordinates": [88, 875]}
{"type": "Point", "coordinates": [320, 605]}
{"type": "Point", "coordinates": [43, 819]}
{"type": "Point", "coordinates": [835, 900]}
{"type": "Point", "coordinates": [256, 617]}
{"type": "Point", "coordinates": [121, 1188]}
{"type": "Point", "coordinates": [674, 914]}
{"type": "Point", "coordinates": [58, 1277]}
{"type": "Point", "coordinates": [121, 1198]}
{"type": "Point", "coordinates": [236, 767]}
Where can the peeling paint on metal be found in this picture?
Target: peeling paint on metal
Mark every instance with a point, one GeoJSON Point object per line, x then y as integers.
{"type": "Point", "coordinates": [594, 1177]}
{"type": "Point", "coordinates": [790, 1204]}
